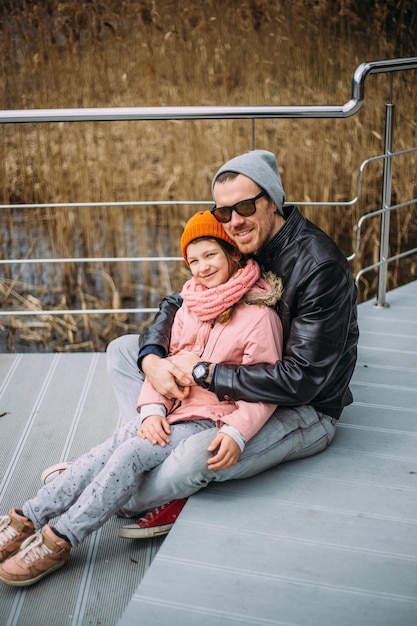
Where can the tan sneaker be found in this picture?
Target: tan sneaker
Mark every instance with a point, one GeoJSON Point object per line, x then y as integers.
{"type": "Point", "coordinates": [40, 555]}
{"type": "Point", "coordinates": [14, 529]}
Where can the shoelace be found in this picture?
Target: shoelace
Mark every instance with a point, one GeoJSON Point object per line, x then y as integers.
{"type": "Point", "coordinates": [7, 531]}
{"type": "Point", "coordinates": [149, 516]}
{"type": "Point", "coordinates": [33, 548]}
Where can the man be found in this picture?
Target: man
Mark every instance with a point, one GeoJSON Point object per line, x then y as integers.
{"type": "Point", "coordinates": [311, 383]}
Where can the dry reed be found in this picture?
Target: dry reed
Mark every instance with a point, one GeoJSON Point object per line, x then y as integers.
{"type": "Point", "coordinates": [150, 53]}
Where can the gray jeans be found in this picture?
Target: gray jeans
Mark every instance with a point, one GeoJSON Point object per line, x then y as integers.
{"type": "Point", "coordinates": [104, 479]}
{"type": "Point", "coordinates": [290, 433]}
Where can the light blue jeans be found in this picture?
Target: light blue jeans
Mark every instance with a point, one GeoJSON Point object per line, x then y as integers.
{"type": "Point", "coordinates": [290, 433]}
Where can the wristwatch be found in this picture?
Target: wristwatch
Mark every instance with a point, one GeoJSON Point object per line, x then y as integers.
{"type": "Point", "coordinates": [200, 373]}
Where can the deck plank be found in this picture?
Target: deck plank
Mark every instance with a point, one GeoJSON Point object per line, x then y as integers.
{"type": "Point", "coordinates": [57, 407]}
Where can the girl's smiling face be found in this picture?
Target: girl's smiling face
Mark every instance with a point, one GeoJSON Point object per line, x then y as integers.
{"type": "Point", "coordinates": [209, 263]}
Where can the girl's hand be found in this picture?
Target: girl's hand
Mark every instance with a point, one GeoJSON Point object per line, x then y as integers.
{"type": "Point", "coordinates": [155, 429]}
{"type": "Point", "coordinates": [227, 454]}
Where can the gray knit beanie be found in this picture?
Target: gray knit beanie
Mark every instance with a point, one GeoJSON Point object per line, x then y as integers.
{"type": "Point", "coordinates": [261, 166]}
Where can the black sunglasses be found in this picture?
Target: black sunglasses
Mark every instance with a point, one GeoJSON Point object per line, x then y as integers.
{"type": "Point", "coordinates": [244, 208]}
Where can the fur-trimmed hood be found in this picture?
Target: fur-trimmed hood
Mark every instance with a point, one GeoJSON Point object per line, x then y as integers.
{"type": "Point", "coordinates": [266, 291]}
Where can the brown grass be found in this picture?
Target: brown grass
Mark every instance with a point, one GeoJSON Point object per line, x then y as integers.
{"type": "Point", "coordinates": [93, 54]}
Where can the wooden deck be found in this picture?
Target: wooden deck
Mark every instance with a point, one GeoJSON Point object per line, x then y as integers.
{"type": "Point", "coordinates": [330, 540]}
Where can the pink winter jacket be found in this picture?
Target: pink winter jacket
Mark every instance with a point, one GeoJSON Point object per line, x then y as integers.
{"type": "Point", "coordinates": [252, 335]}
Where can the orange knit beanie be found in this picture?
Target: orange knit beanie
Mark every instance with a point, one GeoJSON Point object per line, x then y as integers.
{"type": "Point", "coordinates": [202, 224]}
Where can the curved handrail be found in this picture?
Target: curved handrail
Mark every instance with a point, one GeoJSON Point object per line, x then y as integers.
{"type": "Point", "coordinates": [217, 112]}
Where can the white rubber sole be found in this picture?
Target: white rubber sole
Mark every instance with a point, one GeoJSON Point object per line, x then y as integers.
{"type": "Point", "coordinates": [132, 531]}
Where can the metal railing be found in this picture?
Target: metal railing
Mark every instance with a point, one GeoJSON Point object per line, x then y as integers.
{"type": "Point", "coordinates": [348, 109]}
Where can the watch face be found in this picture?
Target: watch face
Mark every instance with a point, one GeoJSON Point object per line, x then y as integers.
{"type": "Point", "coordinates": [200, 371]}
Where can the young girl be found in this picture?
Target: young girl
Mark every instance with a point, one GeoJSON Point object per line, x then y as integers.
{"type": "Point", "coordinates": [218, 322]}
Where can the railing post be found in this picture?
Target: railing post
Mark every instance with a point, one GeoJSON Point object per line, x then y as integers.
{"type": "Point", "coordinates": [386, 202]}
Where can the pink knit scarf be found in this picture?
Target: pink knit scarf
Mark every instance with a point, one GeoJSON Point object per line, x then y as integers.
{"type": "Point", "coordinates": [208, 304]}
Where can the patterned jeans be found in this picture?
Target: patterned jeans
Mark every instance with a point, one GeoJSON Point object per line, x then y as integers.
{"type": "Point", "coordinates": [104, 479]}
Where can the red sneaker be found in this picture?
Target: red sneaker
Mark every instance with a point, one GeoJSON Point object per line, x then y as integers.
{"type": "Point", "coordinates": [157, 522]}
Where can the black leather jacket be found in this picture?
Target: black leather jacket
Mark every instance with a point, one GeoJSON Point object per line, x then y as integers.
{"type": "Point", "coordinates": [319, 317]}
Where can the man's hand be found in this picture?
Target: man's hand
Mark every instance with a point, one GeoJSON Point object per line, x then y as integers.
{"type": "Point", "coordinates": [227, 454]}
{"type": "Point", "coordinates": [165, 377]}
{"type": "Point", "coordinates": [155, 429]}
{"type": "Point", "coordinates": [184, 362]}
